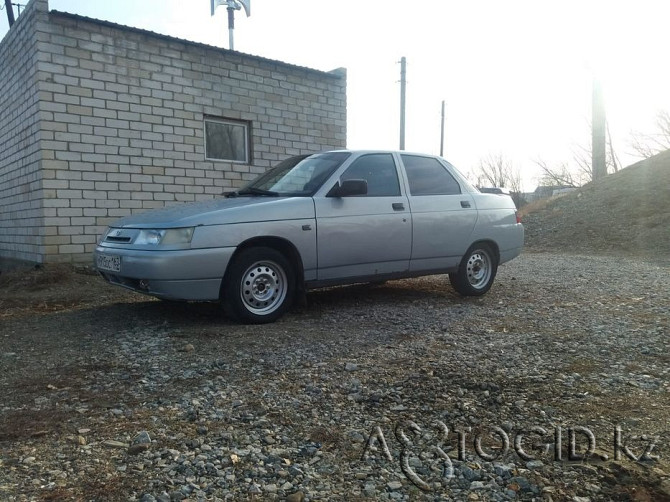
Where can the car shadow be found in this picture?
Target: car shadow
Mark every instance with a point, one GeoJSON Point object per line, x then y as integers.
{"type": "Point", "coordinates": [316, 303]}
{"type": "Point", "coordinates": [368, 302]}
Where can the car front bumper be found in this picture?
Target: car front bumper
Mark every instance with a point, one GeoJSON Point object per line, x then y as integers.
{"type": "Point", "coordinates": [191, 274]}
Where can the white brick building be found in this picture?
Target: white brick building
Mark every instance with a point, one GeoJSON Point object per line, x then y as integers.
{"type": "Point", "coordinates": [99, 120]}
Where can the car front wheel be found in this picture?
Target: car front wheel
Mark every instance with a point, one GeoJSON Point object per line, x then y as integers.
{"type": "Point", "coordinates": [476, 272]}
{"type": "Point", "coordinates": [260, 286]}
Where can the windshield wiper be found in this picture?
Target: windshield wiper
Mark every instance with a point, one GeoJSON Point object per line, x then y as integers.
{"type": "Point", "coordinates": [256, 191]}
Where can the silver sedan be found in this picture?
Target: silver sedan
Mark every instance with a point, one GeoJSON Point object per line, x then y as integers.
{"type": "Point", "coordinates": [330, 218]}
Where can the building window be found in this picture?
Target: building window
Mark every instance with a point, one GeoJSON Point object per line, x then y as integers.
{"type": "Point", "coordinates": [226, 140]}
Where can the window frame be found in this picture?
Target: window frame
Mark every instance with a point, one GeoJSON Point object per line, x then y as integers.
{"type": "Point", "coordinates": [440, 163]}
{"type": "Point", "coordinates": [246, 125]}
{"type": "Point", "coordinates": [394, 161]}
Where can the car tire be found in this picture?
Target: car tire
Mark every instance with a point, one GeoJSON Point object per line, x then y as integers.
{"type": "Point", "coordinates": [476, 271]}
{"type": "Point", "coordinates": [259, 287]}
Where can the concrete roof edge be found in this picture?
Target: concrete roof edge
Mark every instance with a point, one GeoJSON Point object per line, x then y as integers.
{"type": "Point", "coordinates": [339, 73]}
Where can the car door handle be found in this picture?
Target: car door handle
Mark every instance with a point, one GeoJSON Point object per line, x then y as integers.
{"type": "Point", "coordinates": [398, 206]}
{"type": "Point", "coordinates": [465, 203]}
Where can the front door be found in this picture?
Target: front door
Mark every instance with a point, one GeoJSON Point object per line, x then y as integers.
{"type": "Point", "coordinates": [368, 235]}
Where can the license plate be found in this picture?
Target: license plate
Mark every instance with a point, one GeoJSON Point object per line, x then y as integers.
{"type": "Point", "coordinates": [109, 262]}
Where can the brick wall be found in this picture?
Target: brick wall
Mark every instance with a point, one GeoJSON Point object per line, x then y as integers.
{"type": "Point", "coordinates": [21, 224]}
{"type": "Point", "coordinates": [122, 122]}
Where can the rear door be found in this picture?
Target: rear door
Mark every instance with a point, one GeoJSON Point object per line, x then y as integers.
{"type": "Point", "coordinates": [443, 215]}
{"type": "Point", "coordinates": [366, 235]}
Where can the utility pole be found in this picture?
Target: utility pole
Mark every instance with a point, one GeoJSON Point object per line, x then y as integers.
{"type": "Point", "coordinates": [403, 85]}
{"type": "Point", "coordinates": [598, 133]}
{"type": "Point", "coordinates": [10, 12]}
{"type": "Point", "coordinates": [442, 132]}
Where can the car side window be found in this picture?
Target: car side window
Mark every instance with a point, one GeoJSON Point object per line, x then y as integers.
{"type": "Point", "coordinates": [427, 176]}
{"type": "Point", "coordinates": [379, 170]}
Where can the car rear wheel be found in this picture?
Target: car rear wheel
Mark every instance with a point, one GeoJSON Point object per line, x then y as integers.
{"type": "Point", "coordinates": [476, 272]}
{"type": "Point", "coordinates": [260, 286]}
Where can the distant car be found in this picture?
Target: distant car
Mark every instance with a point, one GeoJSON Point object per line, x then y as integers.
{"type": "Point", "coordinates": [496, 190]}
{"type": "Point", "coordinates": [330, 218]}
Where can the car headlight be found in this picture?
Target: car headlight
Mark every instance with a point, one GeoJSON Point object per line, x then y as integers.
{"type": "Point", "coordinates": [170, 236]}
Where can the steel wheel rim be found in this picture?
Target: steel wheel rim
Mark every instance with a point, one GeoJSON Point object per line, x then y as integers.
{"type": "Point", "coordinates": [263, 287]}
{"type": "Point", "coordinates": [478, 269]}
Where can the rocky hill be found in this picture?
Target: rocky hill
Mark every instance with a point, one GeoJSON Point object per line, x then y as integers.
{"type": "Point", "coordinates": [626, 213]}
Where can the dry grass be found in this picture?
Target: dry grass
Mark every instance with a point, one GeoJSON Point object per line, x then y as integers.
{"type": "Point", "coordinates": [584, 366]}
{"type": "Point", "coordinates": [41, 277]}
{"type": "Point", "coordinates": [59, 494]}
{"type": "Point", "coordinates": [537, 205]}
{"type": "Point", "coordinates": [627, 212]}
{"type": "Point", "coordinates": [27, 423]}
{"type": "Point", "coordinates": [326, 436]}
{"type": "Point", "coordinates": [103, 484]}
{"type": "Point", "coordinates": [52, 288]}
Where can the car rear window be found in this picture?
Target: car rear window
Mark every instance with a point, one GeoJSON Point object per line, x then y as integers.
{"type": "Point", "coordinates": [427, 176]}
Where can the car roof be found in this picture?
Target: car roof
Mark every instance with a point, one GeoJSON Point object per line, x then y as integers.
{"type": "Point", "coordinates": [359, 151]}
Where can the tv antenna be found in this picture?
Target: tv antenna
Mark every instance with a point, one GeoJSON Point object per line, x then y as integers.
{"type": "Point", "coordinates": [232, 6]}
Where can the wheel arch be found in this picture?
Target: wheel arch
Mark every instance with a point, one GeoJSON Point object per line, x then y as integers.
{"type": "Point", "coordinates": [284, 246]}
{"type": "Point", "coordinates": [490, 243]}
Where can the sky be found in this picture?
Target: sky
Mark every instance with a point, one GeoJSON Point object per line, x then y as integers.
{"type": "Point", "coordinates": [516, 76]}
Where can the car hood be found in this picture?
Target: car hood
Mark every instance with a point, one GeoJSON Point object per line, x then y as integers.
{"type": "Point", "coordinates": [222, 211]}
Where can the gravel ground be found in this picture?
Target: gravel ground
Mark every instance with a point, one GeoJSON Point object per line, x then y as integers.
{"type": "Point", "coordinates": [367, 392]}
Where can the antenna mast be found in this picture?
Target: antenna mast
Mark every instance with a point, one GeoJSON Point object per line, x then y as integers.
{"type": "Point", "coordinates": [232, 6]}
{"type": "Point", "coordinates": [10, 12]}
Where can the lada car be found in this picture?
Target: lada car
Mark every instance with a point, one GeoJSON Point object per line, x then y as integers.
{"type": "Point", "coordinates": [330, 218]}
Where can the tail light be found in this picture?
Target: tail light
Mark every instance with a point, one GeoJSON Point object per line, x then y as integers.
{"type": "Point", "coordinates": [518, 216]}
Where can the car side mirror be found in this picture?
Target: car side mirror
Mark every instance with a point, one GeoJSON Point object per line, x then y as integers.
{"type": "Point", "coordinates": [349, 188]}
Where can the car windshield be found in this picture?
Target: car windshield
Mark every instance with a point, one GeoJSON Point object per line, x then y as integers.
{"type": "Point", "coordinates": [298, 176]}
